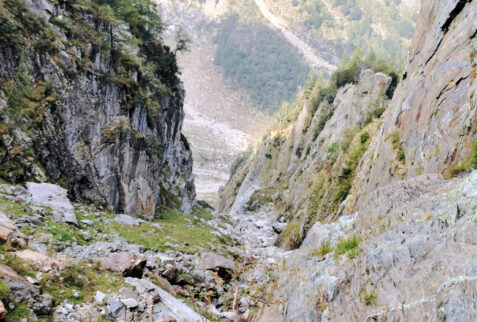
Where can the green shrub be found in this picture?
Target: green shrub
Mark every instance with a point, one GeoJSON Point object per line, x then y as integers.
{"type": "Point", "coordinates": [469, 163]}
{"type": "Point", "coordinates": [348, 246]}
{"type": "Point", "coordinates": [291, 235]}
{"type": "Point", "coordinates": [370, 298]}
{"type": "Point", "coordinates": [401, 156]}
{"type": "Point", "coordinates": [364, 137]}
{"type": "Point", "coordinates": [333, 147]}
{"type": "Point", "coordinates": [325, 248]}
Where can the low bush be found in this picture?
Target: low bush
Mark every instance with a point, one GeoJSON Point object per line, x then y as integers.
{"type": "Point", "coordinates": [325, 248]}
{"type": "Point", "coordinates": [348, 246]}
{"type": "Point", "coordinates": [370, 298]}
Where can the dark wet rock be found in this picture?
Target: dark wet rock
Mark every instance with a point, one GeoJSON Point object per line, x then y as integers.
{"type": "Point", "coordinates": [222, 265]}
{"type": "Point", "coordinates": [171, 273]}
{"type": "Point", "coordinates": [43, 304]}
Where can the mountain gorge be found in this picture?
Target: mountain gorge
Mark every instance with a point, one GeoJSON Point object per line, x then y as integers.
{"type": "Point", "coordinates": [376, 193]}
{"type": "Point", "coordinates": [343, 189]}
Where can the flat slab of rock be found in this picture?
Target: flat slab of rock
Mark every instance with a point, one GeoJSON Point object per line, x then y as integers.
{"type": "Point", "coordinates": [127, 264]}
{"type": "Point", "coordinates": [87, 222]}
{"type": "Point", "coordinates": [130, 303]}
{"type": "Point", "coordinates": [127, 220]}
{"type": "Point", "coordinates": [44, 262]}
{"type": "Point", "coordinates": [168, 306]}
{"type": "Point", "coordinates": [165, 285]}
{"type": "Point", "coordinates": [213, 261]}
{"type": "Point", "coordinates": [9, 232]}
{"type": "Point", "coordinates": [54, 196]}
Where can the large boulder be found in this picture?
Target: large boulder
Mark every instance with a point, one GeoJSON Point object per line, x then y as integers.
{"type": "Point", "coordinates": [127, 220]}
{"type": "Point", "coordinates": [212, 261]}
{"type": "Point", "coordinates": [127, 264]}
{"type": "Point", "coordinates": [52, 195]}
{"type": "Point", "coordinates": [9, 232]}
{"type": "Point", "coordinates": [20, 289]}
{"type": "Point", "coordinates": [222, 265]}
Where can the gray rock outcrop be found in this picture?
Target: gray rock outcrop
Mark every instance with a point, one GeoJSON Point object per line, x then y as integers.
{"type": "Point", "coordinates": [104, 132]}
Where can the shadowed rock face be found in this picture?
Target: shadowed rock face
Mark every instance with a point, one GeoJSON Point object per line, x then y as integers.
{"type": "Point", "coordinates": [107, 149]}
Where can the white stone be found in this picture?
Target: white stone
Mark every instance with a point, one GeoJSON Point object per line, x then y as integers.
{"type": "Point", "coordinates": [100, 297]}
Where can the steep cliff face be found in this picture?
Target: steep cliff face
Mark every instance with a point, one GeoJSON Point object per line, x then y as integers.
{"type": "Point", "coordinates": [432, 119]}
{"type": "Point", "coordinates": [90, 99]}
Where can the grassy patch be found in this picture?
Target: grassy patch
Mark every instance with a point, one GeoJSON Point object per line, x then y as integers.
{"type": "Point", "coordinates": [395, 139]}
{"type": "Point", "coordinates": [349, 246]}
{"type": "Point", "coordinates": [86, 278]}
{"type": "Point", "coordinates": [401, 156]}
{"type": "Point", "coordinates": [241, 158]}
{"type": "Point", "coordinates": [174, 230]}
{"type": "Point", "coordinates": [473, 156]}
{"type": "Point", "coordinates": [324, 249]}
{"type": "Point", "coordinates": [469, 163]}
{"type": "Point", "coordinates": [20, 311]}
{"type": "Point", "coordinates": [17, 265]}
{"type": "Point", "coordinates": [4, 290]}
{"type": "Point", "coordinates": [14, 210]}
{"type": "Point", "coordinates": [291, 235]}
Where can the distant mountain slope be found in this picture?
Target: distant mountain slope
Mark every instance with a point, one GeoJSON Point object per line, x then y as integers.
{"type": "Point", "coordinates": [385, 26]}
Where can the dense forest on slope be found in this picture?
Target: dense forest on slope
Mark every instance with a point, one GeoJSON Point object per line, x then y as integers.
{"type": "Point", "coordinates": [260, 60]}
